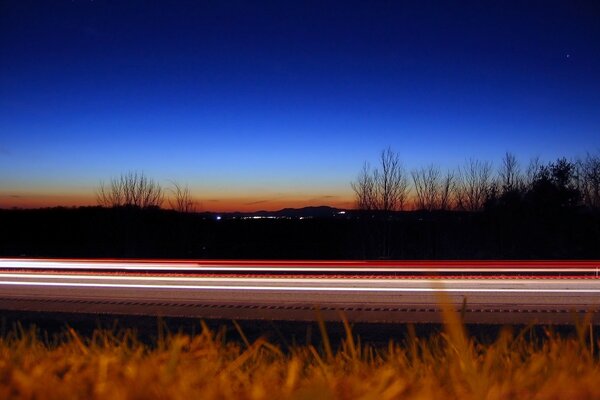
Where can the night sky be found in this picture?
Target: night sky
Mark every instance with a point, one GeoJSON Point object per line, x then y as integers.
{"type": "Point", "coordinates": [263, 105]}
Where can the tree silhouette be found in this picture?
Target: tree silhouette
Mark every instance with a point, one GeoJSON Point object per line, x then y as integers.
{"type": "Point", "coordinates": [531, 172]}
{"type": "Point", "coordinates": [555, 187]}
{"type": "Point", "coordinates": [431, 188]}
{"type": "Point", "coordinates": [384, 188]}
{"type": "Point", "coordinates": [509, 174]}
{"type": "Point", "coordinates": [181, 199]}
{"type": "Point", "coordinates": [132, 189]}
{"type": "Point", "coordinates": [447, 187]}
{"type": "Point", "coordinates": [588, 175]}
{"type": "Point", "coordinates": [474, 185]}
{"type": "Point", "coordinates": [364, 189]}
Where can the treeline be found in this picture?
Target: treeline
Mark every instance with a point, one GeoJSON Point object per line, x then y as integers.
{"type": "Point", "coordinates": [388, 187]}
{"type": "Point", "coordinates": [541, 211]}
{"type": "Point", "coordinates": [135, 189]}
{"type": "Point", "coordinates": [476, 185]}
{"type": "Point", "coordinates": [546, 210]}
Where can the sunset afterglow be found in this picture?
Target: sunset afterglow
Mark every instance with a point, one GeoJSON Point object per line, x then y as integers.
{"type": "Point", "coordinates": [272, 105]}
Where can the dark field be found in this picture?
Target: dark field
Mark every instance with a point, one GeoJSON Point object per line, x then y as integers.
{"type": "Point", "coordinates": [496, 233]}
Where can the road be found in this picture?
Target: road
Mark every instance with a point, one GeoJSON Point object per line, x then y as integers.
{"type": "Point", "coordinates": [484, 292]}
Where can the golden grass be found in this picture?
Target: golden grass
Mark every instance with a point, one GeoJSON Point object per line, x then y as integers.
{"type": "Point", "coordinates": [449, 365]}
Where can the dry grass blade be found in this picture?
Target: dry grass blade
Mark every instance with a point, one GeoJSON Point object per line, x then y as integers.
{"type": "Point", "coordinates": [238, 328]}
{"type": "Point", "coordinates": [447, 365]}
{"type": "Point", "coordinates": [324, 335]}
{"type": "Point", "coordinates": [349, 342]}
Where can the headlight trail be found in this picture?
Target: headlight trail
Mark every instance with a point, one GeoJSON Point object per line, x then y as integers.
{"type": "Point", "coordinates": [293, 288]}
{"type": "Point", "coordinates": [389, 291]}
{"type": "Point", "coordinates": [311, 266]}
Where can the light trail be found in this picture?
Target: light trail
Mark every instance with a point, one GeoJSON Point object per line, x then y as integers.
{"type": "Point", "coordinates": [548, 280]}
{"type": "Point", "coordinates": [373, 291]}
{"type": "Point", "coordinates": [342, 267]}
{"type": "Point", "coordinates": [294, 288]}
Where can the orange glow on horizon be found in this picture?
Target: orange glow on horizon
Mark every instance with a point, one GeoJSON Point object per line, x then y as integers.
{"type": "Point", "coordinates": [210, 202]}
{"type": "Point", "coordinates": [44, 201]}
{"type": "Point", "coordinates": [214, 204]}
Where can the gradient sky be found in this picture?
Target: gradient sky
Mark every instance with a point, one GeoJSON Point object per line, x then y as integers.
{"type": "Point", "coordinates": [261, 105]}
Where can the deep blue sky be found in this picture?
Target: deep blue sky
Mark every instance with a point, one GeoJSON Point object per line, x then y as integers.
{"type": "Point", "coordinates": [267, 103]}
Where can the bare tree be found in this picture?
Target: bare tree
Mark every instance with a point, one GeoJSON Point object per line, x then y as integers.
{"type": "Point", "coordinates": [181, 199]}
{"type": "Point", "coordinates": [111, 196]}
{"type": "Point", "coordinates": [364, 189]}
{"type": "Point", "coordinates": [532, 171]}
{"type": "Point", "coordinates": [588, 175]}
{"type": "Point", "coordinates": [509, 174]}
{"type": "Point", "coordinates": [473, 185]}
{"type": "Point", "coordinates": [391, 183]}
{"type": "Point", "coordinates": [130, 189]}
{"type": "Point", "coordinates": [427, 183]}
{"type": "Point", "coordinates": [433, 190]}
{"type": "Point", "coordinates": [446, 190]}
{"type": "Point", "coordinates": [385, 188]}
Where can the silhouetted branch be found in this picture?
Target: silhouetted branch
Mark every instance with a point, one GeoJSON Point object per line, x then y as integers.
{"type": "Point", "coordinates": [588, 180]}
{"type": "Point", "coordinates": [431, 188]}
{"type": "Point", "coordinates": [181, 199]}
{"type": "Point", "coordinates": [130, 189]}
{"type": "Point", "coordinates": [509, 174]}
{"type": "Point", "coordinates": [473, 185]}
{"type": "Point", "coordinates": [391, 183]}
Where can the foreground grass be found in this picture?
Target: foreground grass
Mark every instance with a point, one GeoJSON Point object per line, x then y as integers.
{"type": "Point", "coordinates": [448, 365]}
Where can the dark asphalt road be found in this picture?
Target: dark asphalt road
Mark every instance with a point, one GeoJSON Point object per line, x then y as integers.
{"type": "Point", "coordinates": [384, 298]}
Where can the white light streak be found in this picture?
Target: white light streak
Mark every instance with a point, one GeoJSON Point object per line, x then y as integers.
{"type": "Point", "coordinates": [294, 288]}
{"type": "Point", "coordinates": [274, 268]}
{"type": "Point", "coordinates": [382, 281]}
